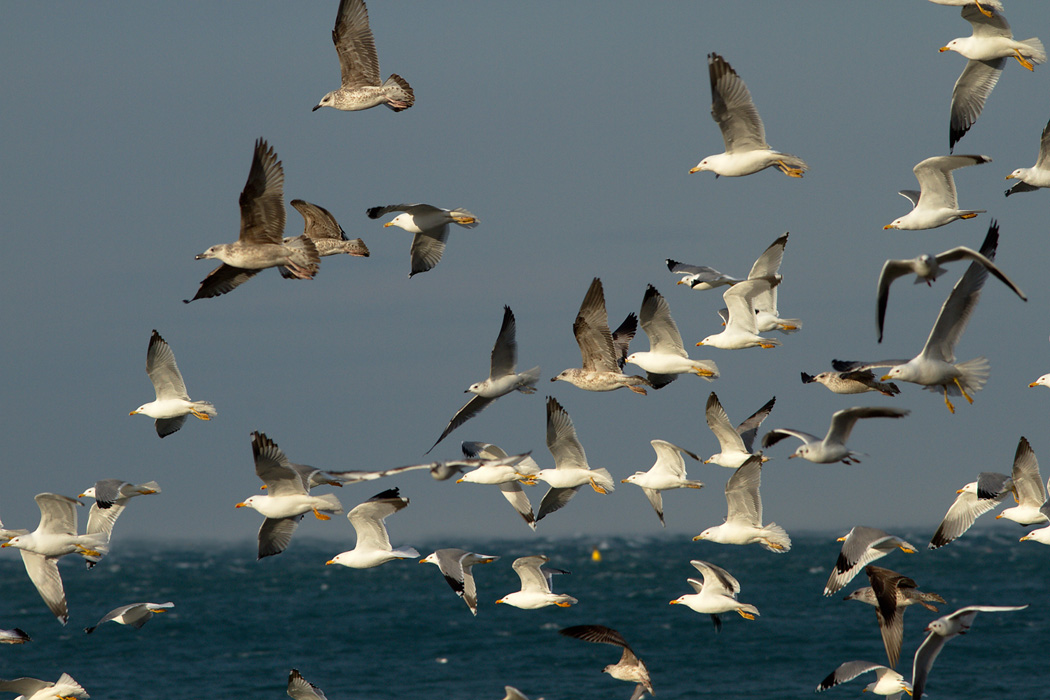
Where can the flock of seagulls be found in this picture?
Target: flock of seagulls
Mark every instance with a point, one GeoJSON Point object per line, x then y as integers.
{"type": "Point", "coordinates": [751, 310]}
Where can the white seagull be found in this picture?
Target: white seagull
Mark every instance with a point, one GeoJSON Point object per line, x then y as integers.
{"type": "Point", "coordinates": [715, 594]}
{"type": "Point", "coordinates": [667, 473]}
{"type": "Point", "coordinates": [735, 444]}
{"type": "Point", "coordinates": [743, 523]}
{"type": "Point", "coordinates": [134, 615]}
{"type": "Point", "coordinates": [832, 448]}
{"type": "Point", "coordinates": [373, 543]}
{"type": "Point", "coordinates": [1038, 175]}
{"type": "Point", "coordinates": [455, 566]}
{"type": "Point", "coordinates": [987, 49]}
{"type": "Point", "coordinates": [497, 468]}
{"type": "Point", "coordinates": [536, 585]}
{"type": "Point", "coordinates": [699, 277]}
{"type": "Point", "coordinates": [429, 226]}
{"type": "Point", "coordinates": [1028, 487]}
{"type": "Point", "coordinates": [666, 358]}
{"type": "Point", "coordinates": [767, 315]}
{"type": "Point", "coordinates": [111, 497]}
{"type": "Point", "coordinates": [936, 203]}
{"type": "Point", "coordinates": [887, 681]}
{"type": "Point", "coordinates": [502, 380]}
{"type": "Point", "coordinates": [359, 65]}
{"type": "Point", "coordinates": [973, 500]}
{"type": "Point", "coordinates": [745, 137]}
{"type": "Point", "coordinates": [741, 329]}
{"type": "Point", "coordinates": [861, 546]}
{"type": "Point", "coordinates": [64, 688]}
{"type": "Point", "coordinates": [172, 404]}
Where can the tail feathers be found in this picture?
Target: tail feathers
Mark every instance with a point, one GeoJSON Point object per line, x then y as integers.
{"type": "Point", "coordinates": [1038, 53]}
{"type": "Point", "coordinates": [793, 161]}
{"type": "Point", "coordinates": [527, 379]}
{"type": "Point", "coordinates": [206, 407]}
{"type": "Point", "coordinates": [777, 538]}
{"type": "Point", "coordinates": [405, 553]}
{"type": "Point", "coordinates": [399, 93]}
{"type": "Point", "coordinates": [356, 248]}
{"type": "Point", "coordinates": [603, 478]}
{"type": "Point", "coordinates": [464, 218]}
{"type": "Point", "coordinates": [304, 253]}
{"type": "Point", "coordinates": [974, 376]}
{"type": "Point", "coordinates": [332, 504]}
{"type": "Point", "coordinates": [749, 609]}
{"type": "Point", "coordinates": [789, 325]}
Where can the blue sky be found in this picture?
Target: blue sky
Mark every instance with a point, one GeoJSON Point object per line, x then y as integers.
{"type": "Point", "coordinates": [569, 131]}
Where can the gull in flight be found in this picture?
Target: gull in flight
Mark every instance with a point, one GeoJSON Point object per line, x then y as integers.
{"type": "Point", "coordinates": [172, 404]}
{"type": "Point", "coordinates": [603, 353]}
{"type": "Point", "coordinates": [111, 497]}
{"type": "Point", "coordinates": [735, 444]}
{"type": "Point", "coordinates": [667, 473]}
{"type": "Point", "coordinates": [927, 268]}
{"type": "Point", "coordinates": [741, 329]}
{"type": "Point", "coordinates": [429, 226]}
{"type": "Point", "coordinates": [745, 137]}
{"type": "Point", "coordinates": [936, 203]}
{"type": "Point", "coordinates": [743, 523]}
{"type": "Point", "coordinates": [1038, 175]}
{"type": "Point", "coordinates": [856, 382]}
{"type": "Point", "coordinates": [497, 468]}
{"type": "Point", "coordinates": [861, 546]}
{"type": "Point", "coordinates": [455, 566]}
{"type": "Point", "coordinates": [832, 448]}
{"type": "Point", "coordinates": [134, 615]}
{"type": "Point", "coordinates": [1028, 488]}
{"type": "Point", "coordinates": [502, 380]}
{"type": "Point", "coordinates": [65, 688]}
{"type": "Point", "coordinates": [767, 316]}
{"type": "Point", "coordinates": [987, 49]}
{"type": "Point", "coordinates": [328, 236]}
{"type": "Point", "coordinates": [973, 500]}
{"type": "Point", "coordinates": [715, 594]}
{"type": "Point", "coordinates": [261, 243]}
{"type": "Point", "coordinates": [667, 357]}
{"type": "Point", "coordinates": [699, 277]}
{"type": "Point", "coordinates": [629, 668]}
{"type": "Point", "coordinates": [887, 681]}
{"type": "Point", "coordinates": [373, 543]}
{"type": "Point", "coordinates": [536, 585]}
{"type": "Point", "coordinates": [359, 66]}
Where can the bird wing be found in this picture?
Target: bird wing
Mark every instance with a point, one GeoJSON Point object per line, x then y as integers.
{"type": "Point", "coordinates": [555, 499]}
{"type": "Point", "coordinates": [739, 301]}
{"type": "Point", "coordinates": [470, 409]}
{"type": "Point", "coordinates": [768, 264]}
{"type": "Point", "coordinates": [301, 689]}
{"type": "Point", "coordinates": [274, 468]}
{"type": "Point", "coordinates": [58, 514]}
{"type": "Point", "coordinates": [656, 500]}
{"type": "Point", "coordinates": [1027, 481]}
{"type": "Point", "coordinates": [962, 514]}
{"type": "Point", "coordinates": [971, 91]}
{"type": "Point", "coordinates": [983, 26]}
{"type": "Point", "coordinates": [532, 577]}
{"type": "Point", "coordinates": [505, 351]}
{"type": "Point", "coordinates": [24, 686]}
{"type": "Point", "coordinates": [732, 108]}
{"type": "Point", "coordinates": [891, 270]}
{"type": "Point", "coordinates": [861, 365]}
{"type": "Point", "coordinates": [718, 422]}
{"type": "Point", "coordinates": [262, 199]}
{"type": "Point", "coordinates": [777, 434]}
{"type": "Point", "coordinates": [622, 337]}
{"type": "Point", "coordinates": [318, 222]}
{"type": "Point", "coordinates": [655, 317]}
{"type": "Point", "coordinates": [275, 534]}
{"type": "Point", "coordinates": [748, 430]}
{"type": "Point", "coordinates": [842, 422]}
{"type": "Point", "coordinates": [519, 500]}
{"type": "Point", "coordinates": [561, 438]}
{"type": "Point", "coordinates": [43, 572]}
{"type": "Point", "coordinates": [591, 329]}
{"type": "Point", "coordinates": [427, 249]}
{"type": "Point", "coordinates": [669, 458]}
{"type": "Point", "coordinates": [742, 494]}
{"type": "Point", "coordinates": [716, 579]}
{"type": "Point", "coordinates": [358, 60]}
{"type": "Point", "coordinates": [162, 370]}
{"type": "Point", "coordinates": [964, 253]}
{"type": "Point", "coordinates": [925, 655]}
{"type": "Point", "coordinates": [367, 518]}
{"type": "Point", "coordinates": [223, 279]}
{"type": "Point", "coordinates": [847, 672]}
{"type": "Point", "coordinates": [885, 583]}
{"type": "Point", "coordinates": [1043, 161]}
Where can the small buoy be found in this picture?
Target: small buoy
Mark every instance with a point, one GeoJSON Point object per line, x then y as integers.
{"type": "Point", "coordinates": [596, 555]}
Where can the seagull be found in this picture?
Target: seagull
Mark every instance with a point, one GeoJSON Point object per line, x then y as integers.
{"type": "Point", "coordinates": [261, 242]}
{"type": "Point", "coordinates": [1039, 174]}
{"type": "Point", "coordinates": [571, 470]}
{"type": "Point", "coordinates": [735, 444]}
{"type": "Point", "coordinates": [832, 448]}
{"type": "Point", "coordinates": [134, 615]}
{"type": "Point", "coordinates": [287, 497]}
{"type": "Point", "coordinates": [973, 500]}
{"type": "Point", "coordinates": [936, 204]}
{"type": "Point", "coordinates": [856, 382]}
{"type": "Point", "coordinates": [359, 65]}
{"type": "Point", "coordinates": [629, 668]}
{"type": "Point", "coordinates": [603, 353]}
{"type": "Point", "coordinates": [111, 496]}
{"type": "Point", "coordinates": [745, 137]}
{"type": "Point", "coordinates": [667, 357]}
{"type": "Point", "coordinates": [935, 367]}
{"type": "Point", "coordinates": [301, 689]}
{"type": "Point", "coordinates": [1040, 535]}
{"type": "Point", "coordinates": [455, 566]}
{"type": "Point", "coordinates": [940, 631]}
{"type": "Point", "coordinates": [64, 688]}
{"type": "Point", "coordinates": [536, 585]}
{"type": "Point", "coordinates": [860, 546]}
{"type": "Point", "coordinates": [429, 226]}
{"type": "Point", "coordinates": [987, 49]}
{"type": "Point", "coordinates": [667, 473]}
{"type": "Point", "coordinates": [495, 467]}
{"type": "Point", "coordinates": [699, 277]}
{"type": "Point", "coordinates": [743, 523]}
{"type": "Point", "coordinates": [1028, 487]}
{"type": "Point", "coordinates": [715, 594]}
{"type": "Point", "coordinates": [741, 329]}
{"type": "Point", "coordinates": [502, 379]}
{"type": "Point", "coordinates": [55, 537]}
{"type": "Point", "coordinates": [887, 681]}
{"type": "Point", "coordinates": [927, 268]}
{"type": "Point", "coordinates": [327, 235]}
{"type": "Point", "coordinates": [172, 404]}
{"type": "Point", "coordinates": [767, 266]}
{"type": "Point", "coordinates": [373, 543]}
{"type": "Point", "coordinates": [891, 593]}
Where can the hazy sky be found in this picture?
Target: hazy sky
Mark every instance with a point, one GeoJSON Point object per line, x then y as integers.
{"type": "Point", "coordinates": [569, 130]}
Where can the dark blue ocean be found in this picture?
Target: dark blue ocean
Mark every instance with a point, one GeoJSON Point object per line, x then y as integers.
{"type": "Point", "coordinates": [398, 631]}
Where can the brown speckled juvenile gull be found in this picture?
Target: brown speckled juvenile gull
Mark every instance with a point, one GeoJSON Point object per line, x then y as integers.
{"type": "Point", "coordinates": [359, 65]}
{"type": "Point", "coordinates": [603, 353]}
{"type": "Point", "coordinates": [261, 242]}
{"type": "Point", "coordinates": [430, 226]}
{"type": "Point", "coordinates": [326, 233]}
{"type": "Point", "coordinates": [629, 668]}
{"type": "Point", "coordinates": [856, 382]}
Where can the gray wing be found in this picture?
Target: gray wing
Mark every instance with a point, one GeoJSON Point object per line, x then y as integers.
{"type": "Point", "coordinates": [262, 199]}
{"type": "Point", "coordinates": [964, 253]}
{"type": "Point", "coordinates": [1028, 483]}
{"type": "Point", "coordinates": [591, 329]}
{"type": "Point", "coordinates": [530, 573]}
{"type": "Point", "coordinates": [472, 408]}
{"type": "Point", "coordinates": [732, 108]}
{"type": "Point", "coordinates": [847, 672]}
{"type": "Point", "coordinates": [561, 438]}
{"type": "Point", "coordinates": [968, 507]}
{"type": "Point", "coordinates": [912, 196]}
{"type": "Point", "coordinates": [936, 180]}
{"type": "Point", "coordinates": [861, 546]}
{"type": "Point", "coordinates": [275, 534]}
{"type": "Point", "coordinates": [555, 499]}
{"type": "Point", "coordinates": [716, 579]}
{"type": "Point", "coordinates": [43, 572]}
{"type": "Point", "coordinates": [925, 655]}
{"type": "Point", "coordinates": [103, 519]}
{"type": "Point", "coordinates": [768, 264]}
{"type": "Point", "coordinates": [748, 430]}
{"type": "Point", "coordinates": [418, 208]}
{"type": "Point", "coordinates": [358, 60]}
{"type": "Point", "coordinates": [225, 278]}
{"type": "Point", "coordinates": [301, 689]}
{"type": "Point", "coordinates": [24, 686]}
{"type": "Point", "coordinates": [162, 370]}
{"type": "Point", "coordinates": [718, 422]}
{"type": "Point", "coordinates": [58, 514]}
{"type": "Point", "coordinates": [1043, 161]}
{"type": "Point", "coordinates": [117, 612]}
{"type": "Point", "coordinates": [742, 494]}
{"type": "Point", "coordinates": [622, 337]}
{"type": "Point", "coordinates": [519, 500]}
{"type": "Point", "coordinates": [860, 365]}
{"type": "Point", "coordinates": [971, 91]}
{"type": "Point", "coordinates": [274, 468]}
{"type": "Point", "coordinates": [505, 351]}
{"type": "Point", "coordinates": [983, 26]}
{"type": "Point", "coordinates": [842, 422]}
{"type": "Point", "coordinates": [656, 500]}
{"type": "Point", "coordinates": [891, 270]}
{"type": "Point", "coordinates": [167, 426]}
{"type": "Point", "coordinates": [427, 249]}
{"type": "Point", "coordinates": [107, 491]}
{"type": "Point", "coordinates": [318, 222]}
{"type": "Point", "coordinates": [777, 434]}
{"type": "Point", "coordinates": [367, 518]}
{"type": "Point", "coordinates": [655, 317]}
{"type": "Point", "coordinates": [353, 476]}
